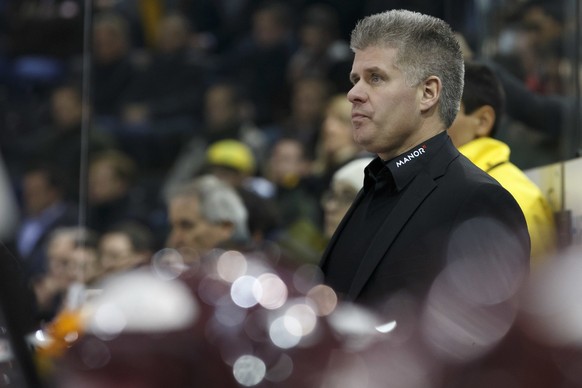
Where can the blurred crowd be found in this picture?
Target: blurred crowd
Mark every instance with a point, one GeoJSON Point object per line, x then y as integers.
{"type": "Point", "coordinates": [109, 124]}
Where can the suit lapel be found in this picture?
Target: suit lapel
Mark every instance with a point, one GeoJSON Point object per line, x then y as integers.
{"type": "Point", "coordinates": [417, 191]}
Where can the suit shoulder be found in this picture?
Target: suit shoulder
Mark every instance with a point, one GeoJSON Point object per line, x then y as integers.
{"type": "Point", "coordinates": [465, 172]}
{"type": "Point", "coordinates": [467, 186]}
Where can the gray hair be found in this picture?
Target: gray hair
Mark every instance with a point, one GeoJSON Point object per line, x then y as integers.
{"type": "Point", "coordinates": [219, 202]}
{"type": "Point", "coordinates": [426, 46]}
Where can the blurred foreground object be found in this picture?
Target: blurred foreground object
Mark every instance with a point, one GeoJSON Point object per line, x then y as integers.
{"type": "Point", "coordinates": [232, 320]}
{"type": "Point", "coordinates": [237, 320]}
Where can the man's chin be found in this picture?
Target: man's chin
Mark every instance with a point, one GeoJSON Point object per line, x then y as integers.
{"type": "Point", "coordinates": [366, 146]}
{"type": "Point", "coordinates": [361, 137]}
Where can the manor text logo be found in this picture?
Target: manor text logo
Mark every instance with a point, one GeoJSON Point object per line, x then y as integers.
{"type": "Point", "coordinates": [411, 155]}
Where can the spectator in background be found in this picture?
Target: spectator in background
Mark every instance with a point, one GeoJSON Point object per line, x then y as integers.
{"type": "Point", "coordinates": [345, 186]}
{"type": "Point", "coordinates": [261, 58]}
{"type": "Point", "coordinates": [309, 98]}
{"type": "Point", "coordinates": [71, 258]}
{"type": "Point", "coordinates": [124, 247]}
{"type": "Point", "coordinates": [61, 141]}
{"type": "Point", "coordinates": [86, 267]}
{"type": "Point", "coordinates": [287, 168]}
{"type": "Point", "coordinates": [46, 206]}
{"type": "Point", "coordinates": [112, 194]}
{"type": "Point", "coordinates": [535, 39]}
{"type": "Point", "coordinates": [204, 214]}
{"type": "Point", "coordinates": [530, 57]}
{"type": "Point", "coordinates": [300, 232]}
{"type": "Point", "coordinates": [321, 51]}
{"type": "Point", "coordinates": [233, 162]}
{"type": "Point", "coordinates": [473, 132]}
{"type": "Point", "coordinates": [218, 23]}
{"type": "Point", "coordinates": [141, 18]}
{"type": "Point", "coordinates": [164, 102]}
{"type": "Point", "coordinates": [533, 122]}
{"type": "Point", "coordinates": [227, 115]}
{"type": "Point", "coordinates": [112, 69]}
{"type": "Point", "coordinates": [171, 86]}
{"type": "Point", "coordinates": [336, 145]}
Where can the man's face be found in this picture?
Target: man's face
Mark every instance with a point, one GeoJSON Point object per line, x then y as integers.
{"type": "Point", "coordinates": [66, 108]}
{"type": "Point", "coordinates": [385, 110]}
{"type": "Point", "coordinates": [308, 100]}
{"type": "Point", "coordinates": [172, 35]}
{"type": "Point", "coordinates": [103, 184]}
{"type": "Point", "coordinates": [38, 193]}
{"type": "Point", "coordinates": [220, 110]}
{"type": "Point", "coordinates": [116, 253]}
{"type": "Point", "coordinates": [336, 133]}
{"type": "Point", "coordinates": [286, 164]}
{"type": "Point", "coordinates": [109, 43]}
{"type": "Point", "coordinates": [191, 230]}
{"type": "Point", "coordinates": [86, 267]}
{"type": "Point", "coordinates": [61, 261]}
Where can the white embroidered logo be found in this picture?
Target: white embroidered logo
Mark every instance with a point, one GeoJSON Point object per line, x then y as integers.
{"type": "Point", "coordinates": [410, 156]}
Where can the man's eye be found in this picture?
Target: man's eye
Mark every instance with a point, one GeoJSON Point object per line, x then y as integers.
{"type": "Point", "coordinates": [375, 78]}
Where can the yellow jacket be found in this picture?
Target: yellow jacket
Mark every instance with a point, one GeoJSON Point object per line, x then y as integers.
{"type": "Point", "coordinates": [492, 156]}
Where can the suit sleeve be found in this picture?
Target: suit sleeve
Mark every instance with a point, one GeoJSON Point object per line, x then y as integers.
{"type": "Point", "coordinates": [489, 248]}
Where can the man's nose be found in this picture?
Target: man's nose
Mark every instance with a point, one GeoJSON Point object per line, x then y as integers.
{"type": "Point", "coordinates": [356, 94]}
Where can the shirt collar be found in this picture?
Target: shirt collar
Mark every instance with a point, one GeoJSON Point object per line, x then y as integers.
{"type": "Point", "coordinates": [378, 176]}
{"type": "Point", "coordinates": [407, 165]}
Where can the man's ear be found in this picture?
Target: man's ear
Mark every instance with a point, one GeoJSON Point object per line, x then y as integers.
{"type": "Point", "coordinates": [431, 91]}
{"type": "Point", "coordinates": [485, 117]}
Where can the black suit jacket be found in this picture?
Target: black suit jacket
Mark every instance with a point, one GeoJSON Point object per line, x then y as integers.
{"type": "Point", "coordinates": [450, 212]}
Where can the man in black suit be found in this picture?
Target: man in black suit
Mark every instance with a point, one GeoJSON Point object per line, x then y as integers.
{"type": "Point", "coordinates": [424, 207]}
